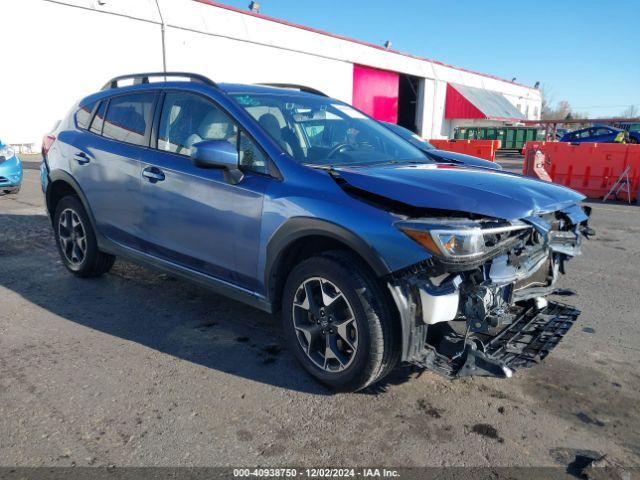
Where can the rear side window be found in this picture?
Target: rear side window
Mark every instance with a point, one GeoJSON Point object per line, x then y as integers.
{"type": "Point", "coordinates": [83, 115]}
{"type": "Point", "coordinates": [128, 118]}
{"type": "Point", "coordinates": [98, 120]}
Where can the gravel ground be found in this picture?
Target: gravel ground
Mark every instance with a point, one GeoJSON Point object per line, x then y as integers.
{"type": "Point", "coordinates": [137, 368]}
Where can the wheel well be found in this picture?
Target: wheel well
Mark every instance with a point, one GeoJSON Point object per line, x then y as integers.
{"type": "Point", "coordinates": [299, 250]}
{"type": "Point", "coordinates": [56, 192]}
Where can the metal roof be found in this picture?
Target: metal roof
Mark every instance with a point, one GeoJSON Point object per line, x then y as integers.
{"type": "Point", "coordinates": [493, 105]}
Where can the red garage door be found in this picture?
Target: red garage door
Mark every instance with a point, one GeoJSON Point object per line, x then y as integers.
{"type": "Point", "coordinates": [375, 92]}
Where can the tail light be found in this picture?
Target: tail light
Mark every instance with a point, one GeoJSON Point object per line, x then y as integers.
{"type": "Point", "coordinates": [47, 142]}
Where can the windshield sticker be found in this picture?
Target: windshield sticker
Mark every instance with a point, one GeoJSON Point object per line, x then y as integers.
{"type": "Point", "coordinates": [347, 110]}
{"type": "Point", "coordinates": [247, 101]}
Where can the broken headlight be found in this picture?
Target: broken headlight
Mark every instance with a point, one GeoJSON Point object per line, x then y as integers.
{"type": "Point", "coordinates": [459, 240]}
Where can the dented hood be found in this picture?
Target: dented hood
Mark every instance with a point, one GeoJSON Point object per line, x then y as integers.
{"type": "Point", "coordinates": [451, 187]}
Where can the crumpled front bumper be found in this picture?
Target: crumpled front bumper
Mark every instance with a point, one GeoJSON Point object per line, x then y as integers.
{"type": "Point", "coordinates": [524, 343]}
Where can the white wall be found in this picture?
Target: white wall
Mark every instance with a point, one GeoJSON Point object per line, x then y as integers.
{"type": "Point", "coordinates": [226, 60]}
{"type": "Point", "coordinates": [62, 53]}
{"type": "Point", "coordinates": [75, 46]}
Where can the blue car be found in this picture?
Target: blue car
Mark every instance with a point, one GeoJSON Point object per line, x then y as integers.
{"type": "Point", "coordinates": [10, 170]}
{"type": "Point", "coordinates": [372, 252]}
{"type": "Point", "coordinates": [440, 156]}
{"type": "Point", "coordinates": [596, 134]}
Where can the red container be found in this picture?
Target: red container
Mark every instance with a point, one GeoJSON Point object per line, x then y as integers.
{"type": "Point", "coordinates": [485, 149]}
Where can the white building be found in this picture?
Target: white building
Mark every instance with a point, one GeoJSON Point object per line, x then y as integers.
{"type": "Point", "coordinates": [55, 52]}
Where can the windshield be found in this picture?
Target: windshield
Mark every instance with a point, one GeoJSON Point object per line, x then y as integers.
{"type": "Point", "coordinates": [409, 136]}
{"type": "Point", "coordinates": [322, 131]}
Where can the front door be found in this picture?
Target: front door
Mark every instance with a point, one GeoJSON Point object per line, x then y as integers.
{"type": "Point", "coordinates": [194, 217]}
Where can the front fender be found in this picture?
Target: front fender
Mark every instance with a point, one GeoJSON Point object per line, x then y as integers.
{"type": "Point", "coordinates": [300, 227]}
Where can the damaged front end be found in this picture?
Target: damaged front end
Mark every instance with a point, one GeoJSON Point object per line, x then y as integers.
{"type": "Point", "coordinates": [478, 306]}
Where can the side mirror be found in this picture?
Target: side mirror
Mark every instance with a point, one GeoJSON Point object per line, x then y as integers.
{"type": "Point", "coordinates": [218, 154]}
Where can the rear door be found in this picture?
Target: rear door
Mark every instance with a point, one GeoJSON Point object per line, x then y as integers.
{"type": "Point", "coordinates": [194, 217]}
{"type": "Point", "coordinates": [107, 164]}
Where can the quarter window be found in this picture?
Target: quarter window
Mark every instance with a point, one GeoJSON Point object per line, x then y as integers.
{"type": "Point", "coordinates": [98, 120]}
{"type": "Point", "coordinates": [83, 115]}
{"type": "Point", "coordinates": [251, 156]}
{"type": "Point", "coordinates": [128, 117]}
{"type": "Point", "coordinates": [188, 119]}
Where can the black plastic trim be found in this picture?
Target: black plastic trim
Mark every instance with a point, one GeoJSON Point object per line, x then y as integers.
{"type": "Point", "coordinates": [294, 86]}
{"type": "Point", "coordinates": [300, 227]}
{"type": "Point", "coordinates": [143, 78]}
{"type": "Point", "coordinates": [61, 175]}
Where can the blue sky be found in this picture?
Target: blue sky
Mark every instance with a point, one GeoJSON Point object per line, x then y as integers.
{"type": "Point", "coordinates": [583, 51]}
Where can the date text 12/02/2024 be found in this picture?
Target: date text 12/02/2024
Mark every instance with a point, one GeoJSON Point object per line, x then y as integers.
{"type": "Point", "coordinates": [316, 472]}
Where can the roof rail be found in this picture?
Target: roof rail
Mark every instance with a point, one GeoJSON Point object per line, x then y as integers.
{"type": "Point", "coordinates": [143, 78]}
{"type": "Point", "coordinates": [293, 86]}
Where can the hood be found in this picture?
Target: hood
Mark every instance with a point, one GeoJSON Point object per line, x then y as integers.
{"type": "Point", "coordinates": [454, 157]}
{"type": "Point", "coordinates": [451, 187]}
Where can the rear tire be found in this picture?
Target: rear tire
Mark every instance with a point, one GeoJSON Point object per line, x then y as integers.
{"type": "Point", "coordinates": [357, 352]}
{"type": "Point", "coordinates": [76, 240]}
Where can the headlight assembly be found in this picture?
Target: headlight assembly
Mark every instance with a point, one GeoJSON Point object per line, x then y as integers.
{"type": "Point", "coordinates": [458, 240]}
{"type": "Point", "coordinates": [6, 153]}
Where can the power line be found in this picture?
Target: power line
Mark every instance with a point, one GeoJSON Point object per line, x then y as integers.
{"type": "Point", "coordinates": [611, 106]}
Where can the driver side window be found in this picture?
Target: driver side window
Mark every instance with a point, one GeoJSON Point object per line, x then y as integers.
{"type": "Point", "coordinates": [188, 119]}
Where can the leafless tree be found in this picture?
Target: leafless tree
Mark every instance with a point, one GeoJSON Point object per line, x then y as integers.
{"type": "Point", "coordinates": [631, 111]}
{"type": "Point", "coordinates": [546, 92]}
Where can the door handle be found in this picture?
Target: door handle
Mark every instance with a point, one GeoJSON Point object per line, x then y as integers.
{"type": "Point", "coordinates": [153, 174]}
{"type": "Point", "coordinates": [82, 158]}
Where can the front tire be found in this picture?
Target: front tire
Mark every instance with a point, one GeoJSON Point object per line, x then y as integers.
{"type": "Point", "coordinates": [76, 240]}
{"type": "Point", "coordinates": [339, 323]}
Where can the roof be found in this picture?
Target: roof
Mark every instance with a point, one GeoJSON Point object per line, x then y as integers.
{"type": "Point", "coordinates": [257, 89]}
{"type": "Point", "coordinates": [229, 88]}
{"type": "Point", "coordinates": [470, 102]}
{"type": "Point", "coordinates": [352, 40]}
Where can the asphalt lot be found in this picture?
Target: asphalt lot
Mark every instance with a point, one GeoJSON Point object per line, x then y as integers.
{"type": "Point", "coordinates": [137, 368]}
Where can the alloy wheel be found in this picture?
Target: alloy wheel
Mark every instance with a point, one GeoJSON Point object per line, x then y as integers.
{"type": "Point", "coordinates": [72, 235]}
{"type": "Point", "coordinates": [325, 324]}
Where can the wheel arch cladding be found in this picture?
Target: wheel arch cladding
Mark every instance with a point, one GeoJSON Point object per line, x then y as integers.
{"type": "Point", "coordinates": [62, 184]}
{"type": "Point", "coordinates": [300, 238]}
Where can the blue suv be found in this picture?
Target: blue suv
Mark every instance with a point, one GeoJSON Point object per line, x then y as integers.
{"type": "Point", "coordinates": [297, 203]}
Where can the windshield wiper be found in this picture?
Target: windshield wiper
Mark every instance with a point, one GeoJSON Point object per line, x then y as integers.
{"type": "Point", "coordinates": [410, 162]}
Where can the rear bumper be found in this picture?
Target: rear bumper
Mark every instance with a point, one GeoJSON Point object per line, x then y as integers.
{"type": "Point", "coordinates": [522, 344]}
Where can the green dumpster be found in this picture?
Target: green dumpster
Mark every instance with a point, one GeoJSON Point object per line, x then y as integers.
{"type": "Point", "coordinates": [511, 138]}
